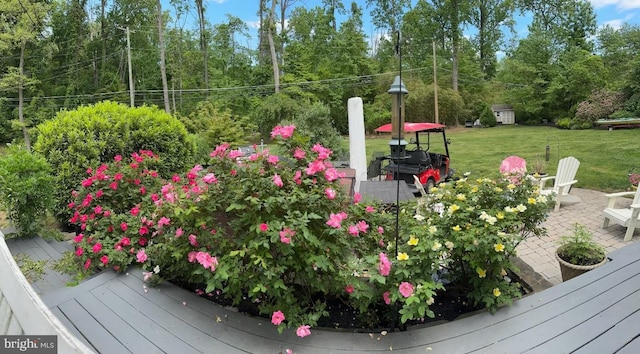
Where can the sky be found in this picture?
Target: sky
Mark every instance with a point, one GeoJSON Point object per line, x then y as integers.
{"type": "Point", "coordinates": [609, 12]}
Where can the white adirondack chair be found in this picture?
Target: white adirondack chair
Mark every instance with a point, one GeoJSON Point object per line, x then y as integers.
{"type": "Point", "coordinates": [419, 185]}
{"type": "Point", "coordinates": [628, 217]}
{"type": "Point", "coordinates": [563, 180]}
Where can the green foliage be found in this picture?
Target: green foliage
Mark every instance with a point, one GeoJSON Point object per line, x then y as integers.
{"type": "Point", "coordinates": [77, 139]}
{"type": "Point", "coordinates": [621, 114]}
{"type": "Point", "coordinates": [564, 123]}
{"type": "Point", "coordinates": [487, 118]}
{"type": "Point", "coordinates": [26, 188]}
{"type": "Point", "coordinates": [32, 270]}
{"type": "Point", "coordinates": [420, 104]}
{"type": "Point", "coordinates": [315, 122]}
{"type": "Point", "coordinates": [579, 247]}
{"type": "Point", "coordinates": [214, 127]}
{"type": "Point", "coordinates": [479, 223]}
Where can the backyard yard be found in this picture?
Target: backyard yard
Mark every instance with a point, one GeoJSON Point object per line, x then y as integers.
{"type": "Point", "coordinates": [606, 156]}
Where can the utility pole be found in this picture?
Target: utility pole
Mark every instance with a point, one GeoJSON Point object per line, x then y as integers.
{"type": "Point", "coordinates": [131, 93]}
{"type": "Point", "coordinates": [435, 84]}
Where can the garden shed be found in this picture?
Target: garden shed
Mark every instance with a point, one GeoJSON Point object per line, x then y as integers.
{"type": "Point", "coordinates": [504, 113]}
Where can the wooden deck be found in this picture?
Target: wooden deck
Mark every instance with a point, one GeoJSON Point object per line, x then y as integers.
{"type": "Point", "coordinates": [598, 312]}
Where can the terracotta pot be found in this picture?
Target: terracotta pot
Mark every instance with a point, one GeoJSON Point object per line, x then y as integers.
{"type": "Point", "coordinates": [569, 270]}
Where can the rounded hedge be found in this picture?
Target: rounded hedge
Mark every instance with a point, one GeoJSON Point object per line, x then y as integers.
{"type": "Point", "coordinates": [90, 135]}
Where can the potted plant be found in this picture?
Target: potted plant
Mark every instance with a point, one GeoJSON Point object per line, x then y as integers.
{"type": "Point", "coordinates": [578, 253]}
{"type": "Point", "coordinates": [539, 167]}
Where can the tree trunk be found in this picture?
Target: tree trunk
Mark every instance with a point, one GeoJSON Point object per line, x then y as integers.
{"type": "Point", "coordinates": [25, 132]}
{"type": "Point", "coordinates": [163, 65]}
{"type": "Point", "coordinates": [272, 47]}
{"type": "Point", "coordinates": [455, 41]}
{"type": "Point", "coordinates": [103, 35]}
{"type": "Point", "coordinates": [203, 45]}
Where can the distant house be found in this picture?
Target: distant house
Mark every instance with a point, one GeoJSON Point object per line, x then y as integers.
{"type": "Point", "coordinates": [504, 113]}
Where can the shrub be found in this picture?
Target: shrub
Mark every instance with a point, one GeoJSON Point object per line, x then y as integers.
{"type": "Point", "coordinates": [564, 123]}
{"type": "Point", "coordinates": [215, 127]}
{"type": "Point", "coordinates": [315, 123]}
{"type": "Point", "coordinates": [487, 119]}
{"type": "Point", "coordinates": [91, 135]}
{"type": "Point", "coordinates": [621, 114]}
{"type": "Point", "coordinates": [108, 207]}
{"type": "Point", "coordinates": [478, 224]}
{"type": "Point", "coordinates": [599, 105]}
{"type": "Point", "coordinates": [26, 187]}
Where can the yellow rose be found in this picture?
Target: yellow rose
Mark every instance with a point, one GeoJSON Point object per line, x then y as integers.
{"type": "Point", "coordinates": [403, 256]}
{"type": "Point", "coordinates": [496, 292]}
{"type": "Point", "coordinates": [481, 272]}
{"type": "Point", "coordinates": [412, 241]}
{"type": "Point", "coordinates": [456, 228]}
{"type": "Point", "coordinates": [531, 200]}
{"type": "Point", "coordinates": [498, 247]}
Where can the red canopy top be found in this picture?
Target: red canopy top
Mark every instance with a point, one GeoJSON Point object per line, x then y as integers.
{"type": "Point", "coordinates": [411, 127]}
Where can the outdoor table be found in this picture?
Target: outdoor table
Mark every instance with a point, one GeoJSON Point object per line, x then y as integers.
{"type": "Point", "coordinates": [385, 191]}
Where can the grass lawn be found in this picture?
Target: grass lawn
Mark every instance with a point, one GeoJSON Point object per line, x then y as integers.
{"type": "Point", "coordinates": [605, 156]}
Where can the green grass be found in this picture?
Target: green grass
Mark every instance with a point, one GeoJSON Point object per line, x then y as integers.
{"type": "Point", "coordinates": [605, 156]}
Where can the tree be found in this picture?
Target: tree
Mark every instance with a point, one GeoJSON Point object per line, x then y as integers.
{"type": "Point", "coordinates": [163, 66]}
{"type": "Point", "coordinates": [203, 43]}
{"type": "Point", "coordinates": [22, 21]}
{"type": "Point", "coordinates": [488, 16]}
{"type": "Point", "coordinates": [387, 14]}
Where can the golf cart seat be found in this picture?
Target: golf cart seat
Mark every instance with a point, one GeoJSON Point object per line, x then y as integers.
{"type": "Point", "coordinates": [418, 157]}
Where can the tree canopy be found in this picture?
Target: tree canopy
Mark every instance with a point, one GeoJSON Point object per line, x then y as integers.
{"type": "Point", "coordinates": [64, 54]}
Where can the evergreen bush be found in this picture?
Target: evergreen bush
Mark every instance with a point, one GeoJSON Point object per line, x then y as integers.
{"type": "Point", "coordinates": [487, 119]}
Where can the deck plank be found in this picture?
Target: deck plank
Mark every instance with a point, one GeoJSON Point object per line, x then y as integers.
{"type": "Point", "coordinates": [70, 326]}
{"type": "Point", "coordinates": [118, 327]}
{"type": "Point", "coordinates": [99, 337]}
{"type": "Point", "coordinates": [617, 336]}
{"type": "Point", "coordinates": [137, 314]}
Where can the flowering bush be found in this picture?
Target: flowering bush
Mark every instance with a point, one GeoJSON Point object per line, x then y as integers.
{"type": "Point", "coordinates": [279, 231]}
{"type": "Point", "coordinates": [476, 225]}
{"type": "Point", "coordinates": [114, 211]}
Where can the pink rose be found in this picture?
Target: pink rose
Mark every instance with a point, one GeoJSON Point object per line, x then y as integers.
{"type": "Point", "coordinates": [277, 317]}
{"type": "Point", "coordinates": [353, 230]}
{"type": "Point", "coordinates": [386, 297]}
{"type": "Point", "coordinates": [141, 256]}
{"type": "Point", "coordinates": [277, 181]}
{"type": "Point", "coordinates": [330, 193]}
{"type": "Point", "coordinates": [264, 227]}
{"type": "Point", "coordinates": [299, 154]}
{"type": "Point", "coordinates": [97, 247]}
{"type": "Point", "coordinates": [303, 331]}
{"type": "Point", "coordinates": [104, 259]}
{"type": "Point", "coordinates": [384, 265]}
{"type": "Point", "coordinates": [349, 289]}
{"type": "Point", "coordinates": [406, 289]}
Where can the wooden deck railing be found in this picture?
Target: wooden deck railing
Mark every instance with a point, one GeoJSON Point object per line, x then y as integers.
{"type": "Point", "coordinates": [23, 312]}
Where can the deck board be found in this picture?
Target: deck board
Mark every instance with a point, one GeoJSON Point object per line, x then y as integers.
{"type": "Point", "coordinates": [597, 312]}
{"type": "Point", "coordinates": [119, 328]}
{"type": "Point", "coordinates": [92, 328]}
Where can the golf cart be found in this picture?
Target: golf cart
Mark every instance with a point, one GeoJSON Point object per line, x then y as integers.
{"type": "Point", "coordinates": [425, 159]}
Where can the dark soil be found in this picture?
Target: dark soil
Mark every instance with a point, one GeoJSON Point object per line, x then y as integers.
{"type": "Point", "coordinates": [449, 306]}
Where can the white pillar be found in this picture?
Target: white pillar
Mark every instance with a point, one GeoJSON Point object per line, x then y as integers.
{"type": "Point", "coordinates": [357, 150]}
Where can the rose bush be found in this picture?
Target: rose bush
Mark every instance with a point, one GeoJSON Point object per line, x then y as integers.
{"type": "Point", "coordinates": [476, 225]}
{"type": "Point", "coordinates": [280, 231]}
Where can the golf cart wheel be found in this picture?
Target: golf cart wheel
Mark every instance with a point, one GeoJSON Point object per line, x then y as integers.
{"type": "Point", "coordinates": [430, 184]}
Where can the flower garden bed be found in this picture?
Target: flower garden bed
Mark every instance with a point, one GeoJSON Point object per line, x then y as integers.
{"type": "Point", "coordinates": [278, 230]}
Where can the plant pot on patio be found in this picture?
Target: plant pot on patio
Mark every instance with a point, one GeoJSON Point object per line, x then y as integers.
{"type": "Point", "coordinates": [578, 253]}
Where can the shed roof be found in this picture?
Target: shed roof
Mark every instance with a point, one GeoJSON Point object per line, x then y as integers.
{"type": "Point", "coordinates": [502, 107]}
